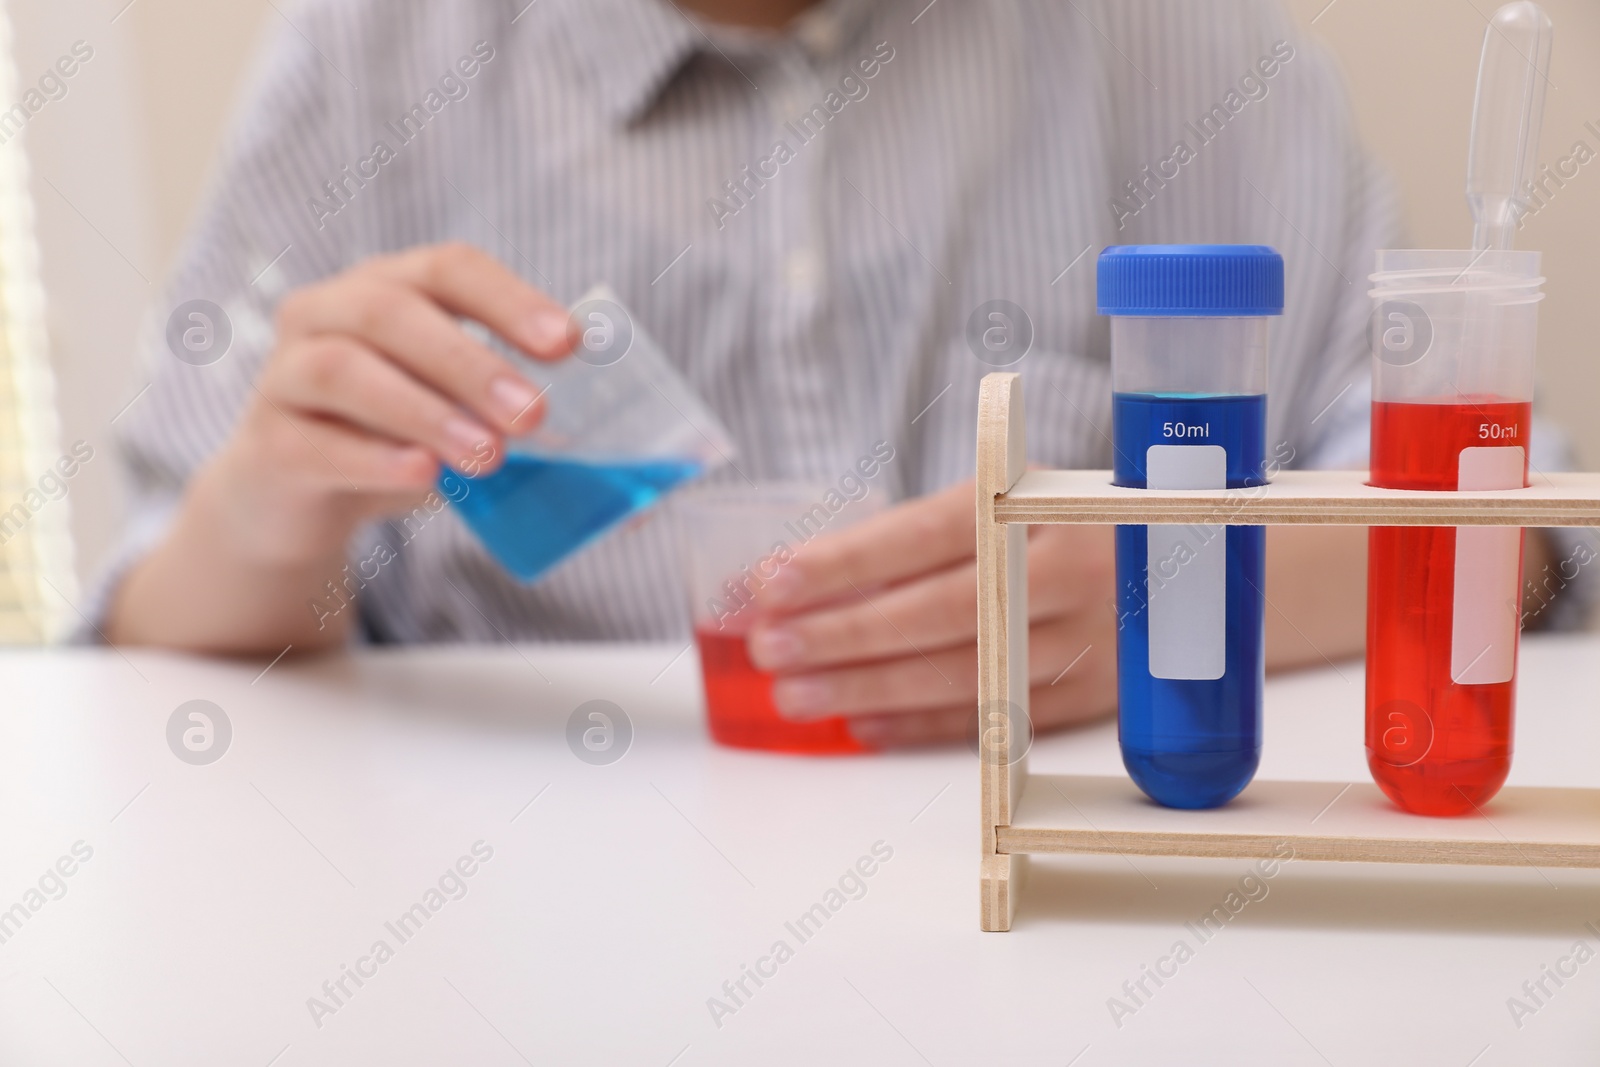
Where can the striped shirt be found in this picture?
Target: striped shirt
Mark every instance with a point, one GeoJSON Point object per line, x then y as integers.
{"type": "Point", "coordinates": [812, 224]}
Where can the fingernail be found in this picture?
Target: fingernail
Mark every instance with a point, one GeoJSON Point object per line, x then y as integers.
{"type": "Point", "coordinates": [467, 437]}
{"type": "Point", "coordinates": [783, 587]}
{"type": "Point", "coordinates": [802, 698]}
{"type": "Point", "coordinates": [775, 648]}
{"type": "Point", "coordinates": [515, 398]}
{"type": "Point", "coordinates": [549, 331]}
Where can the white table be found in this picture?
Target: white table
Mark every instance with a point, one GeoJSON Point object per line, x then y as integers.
{"type": "Point", "coordinates": [219, 898]}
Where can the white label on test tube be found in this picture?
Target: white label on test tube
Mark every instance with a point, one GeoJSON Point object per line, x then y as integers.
{"type": "Point", "coordinates": [1186, 576]}
{"type": "Point", "coordinates": [1483, 630]}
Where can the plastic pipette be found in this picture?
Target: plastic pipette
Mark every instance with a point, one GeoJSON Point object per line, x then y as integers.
{"type": "Point", "coordinates": [1513, 74]}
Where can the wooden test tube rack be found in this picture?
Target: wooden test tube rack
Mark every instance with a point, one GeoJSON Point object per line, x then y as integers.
{"type": "Point", "coordinates": [1023, 814]}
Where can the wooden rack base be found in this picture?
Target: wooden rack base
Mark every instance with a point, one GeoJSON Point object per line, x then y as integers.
{"type": "Point", "coordinates": [1353, 823]}
{"type": "Point", "coordinates": [1054, 814]}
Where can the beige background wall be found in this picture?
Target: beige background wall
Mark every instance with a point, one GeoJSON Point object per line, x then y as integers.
{"type": "Point", "coordinates": [130, 147]}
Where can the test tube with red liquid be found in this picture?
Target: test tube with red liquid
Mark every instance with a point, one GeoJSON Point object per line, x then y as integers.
{"type": "Point", "coordinates": [1453, 338]}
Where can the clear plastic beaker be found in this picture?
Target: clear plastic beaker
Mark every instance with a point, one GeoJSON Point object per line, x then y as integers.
{"type": "Point", "coordinates": [1189, 409]}
{"type": "Point", "coordinates": [1453, 338]}
{"type": "Point", "coordinates": [735, 540]}
{"type": "Point", "coordinates": [622, 429]}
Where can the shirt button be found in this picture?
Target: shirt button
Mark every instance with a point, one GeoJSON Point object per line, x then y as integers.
{"type": "Point", "coordinates": [802, 270]}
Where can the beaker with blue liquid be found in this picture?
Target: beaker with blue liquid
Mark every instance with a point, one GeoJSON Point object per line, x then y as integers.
{"type": "Point", "coordinates": [622, 429]}
{"type": "Point", "coordinates": [1189, 411]}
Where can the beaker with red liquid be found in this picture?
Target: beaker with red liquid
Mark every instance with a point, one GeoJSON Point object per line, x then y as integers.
{"type": "Point", "coordinates": [739, 707]}
{"type": "Point", "coordinates": [735, 540]}
{"type": "Point", "coordinates": [1453, 342]}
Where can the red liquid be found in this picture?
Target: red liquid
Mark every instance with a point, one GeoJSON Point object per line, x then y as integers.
{"type": "Point", "coordinates": [740, 711]}
{"type": "Point", "coordinates": [1434, 746]}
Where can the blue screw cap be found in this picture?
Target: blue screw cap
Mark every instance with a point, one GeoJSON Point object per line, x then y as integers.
{"type": "Point", "coordinates": [1213, 281]}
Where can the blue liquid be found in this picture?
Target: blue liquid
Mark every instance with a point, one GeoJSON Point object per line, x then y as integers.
{"type": "Point", "coordinates": [536, 510]}
{"type": "Point", "coordinates": [1191, 743]}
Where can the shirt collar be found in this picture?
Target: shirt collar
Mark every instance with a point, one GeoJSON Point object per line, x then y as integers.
{"type": "Point", "coordinates": [632, 49]}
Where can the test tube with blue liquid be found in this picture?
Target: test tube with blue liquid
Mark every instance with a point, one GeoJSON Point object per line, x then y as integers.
{"type": "Point", "coordinates": [1189, 411]}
